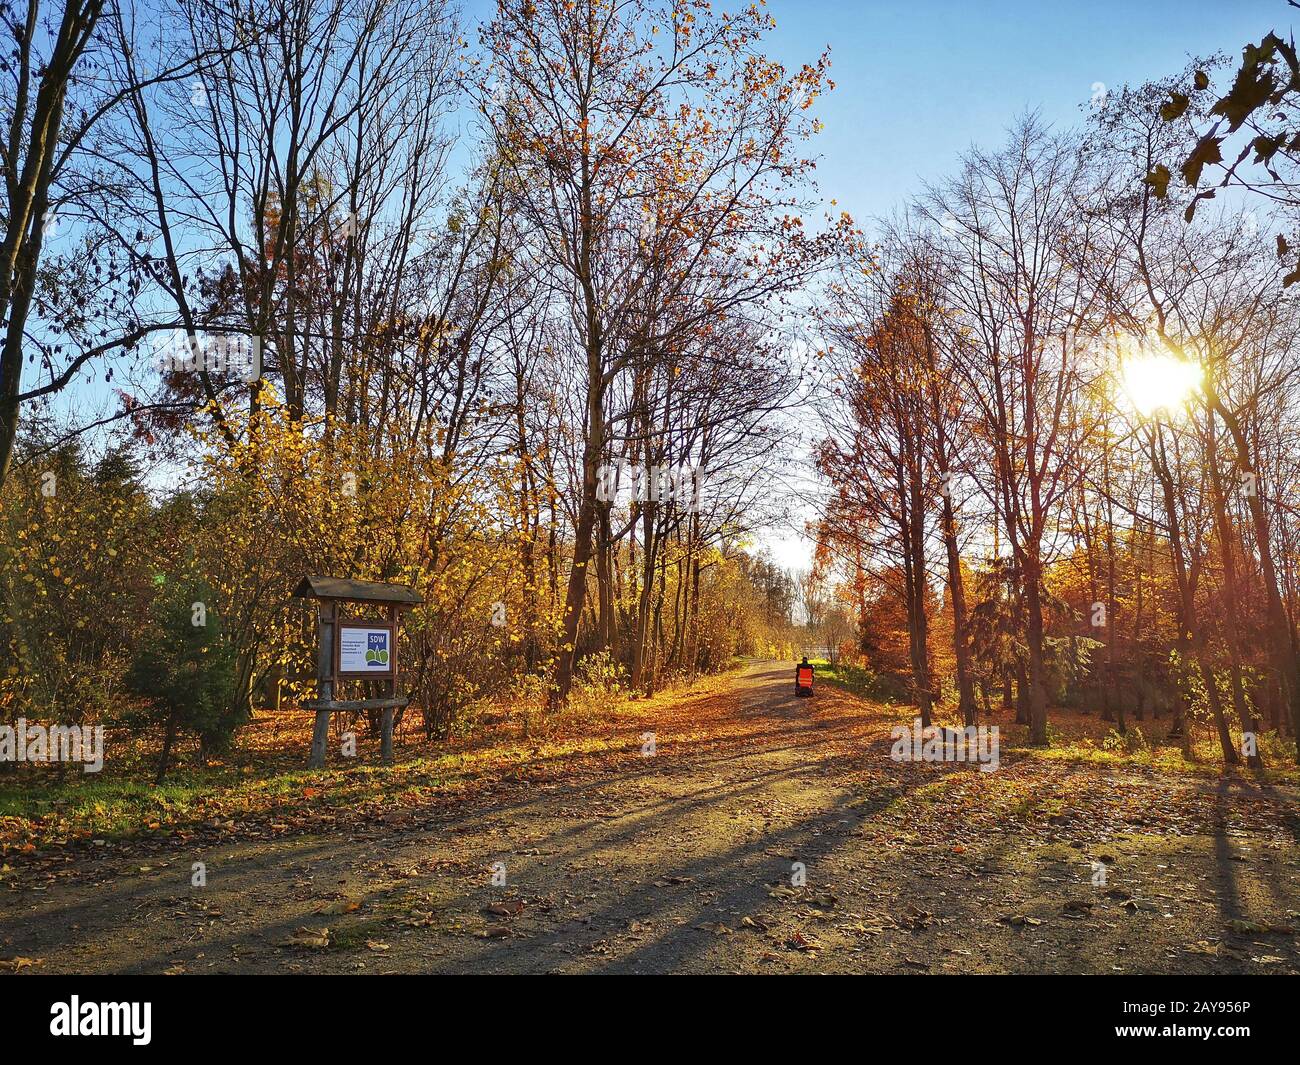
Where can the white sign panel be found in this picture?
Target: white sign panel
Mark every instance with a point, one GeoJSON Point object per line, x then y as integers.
{"type": "Point", "coordinates": [363, 649]}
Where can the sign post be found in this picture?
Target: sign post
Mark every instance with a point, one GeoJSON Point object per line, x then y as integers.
{"type": "Point", "coordinates": [355, 650]}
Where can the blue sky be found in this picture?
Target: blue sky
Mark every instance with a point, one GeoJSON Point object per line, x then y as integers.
{"type": "Point", "coordinates": [919, 81]}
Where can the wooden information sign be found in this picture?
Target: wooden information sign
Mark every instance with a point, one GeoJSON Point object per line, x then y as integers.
{"type": "Point", "coordinates": [355, 649]}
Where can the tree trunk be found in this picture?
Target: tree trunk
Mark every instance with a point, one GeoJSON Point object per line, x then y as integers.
{"type": "Point", "coordinates": [169, 740]}
{"type": "Point", "coordinates": [957, 592]}
{"type": "Point", "coordinates": [1282, 642]}
{"type": "Point", "coordinates": [1190, 642]}
{"type": "Point", "coordinates": [1037, 667]}
{"type": "Point", "coordinates": [1230, 592]}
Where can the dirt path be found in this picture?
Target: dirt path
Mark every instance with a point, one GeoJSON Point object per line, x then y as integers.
{"type": "Point", "coordinates": [684, 861]}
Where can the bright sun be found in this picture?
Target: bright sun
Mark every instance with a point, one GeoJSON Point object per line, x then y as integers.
{"type": "Point", "coordinates": [1158, 381]}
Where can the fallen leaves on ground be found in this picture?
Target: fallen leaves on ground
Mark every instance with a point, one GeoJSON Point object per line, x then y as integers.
{"type": "Point", "coordinates": [311, 938]}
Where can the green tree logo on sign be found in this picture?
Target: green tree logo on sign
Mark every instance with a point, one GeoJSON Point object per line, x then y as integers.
{"type": "Point", "coordinates": [377, 650]}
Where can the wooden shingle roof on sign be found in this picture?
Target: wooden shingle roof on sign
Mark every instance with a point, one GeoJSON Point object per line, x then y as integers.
{"type": "Point", "coordinates": [356, 591]}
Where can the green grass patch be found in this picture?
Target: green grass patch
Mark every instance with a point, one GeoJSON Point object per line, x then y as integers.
{"type": "Point", "coordinates": [354, 936]}
{"type": "Point", "coordinates": [1057, 852]}
{"type": "Point", "coordinates": [859, 681]}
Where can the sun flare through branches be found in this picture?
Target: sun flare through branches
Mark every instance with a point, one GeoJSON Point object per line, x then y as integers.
{"type": "Point", "coordinates": [1158, 381]}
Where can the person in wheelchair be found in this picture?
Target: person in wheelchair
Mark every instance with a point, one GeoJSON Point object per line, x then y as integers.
{"type": "Point", "coordinates": [803, 677]}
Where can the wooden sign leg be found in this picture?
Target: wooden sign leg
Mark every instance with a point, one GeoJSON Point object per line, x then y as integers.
{"type": "Point", "coordinates": [324, 684]}
{"type": "Point", "coordinates": [320, 738]}
{"type": "Point", "coordinates": [386, 735]}
{"type": "Point", "coordinates": [386, 720]}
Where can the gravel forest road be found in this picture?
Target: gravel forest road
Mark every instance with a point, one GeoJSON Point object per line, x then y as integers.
{"type": "Point", "coordinates": [766, 833]}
